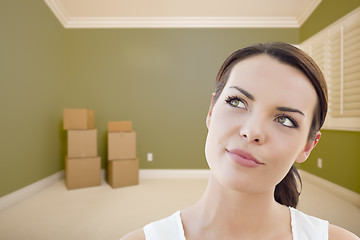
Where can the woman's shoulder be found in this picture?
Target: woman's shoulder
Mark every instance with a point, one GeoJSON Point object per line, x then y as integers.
{"type": "Point", "coordinates": [136, 235]}
{"type": "Point", "coordinates": [336, 233]}
{"type": "Point", "coordinates": [303, 223]}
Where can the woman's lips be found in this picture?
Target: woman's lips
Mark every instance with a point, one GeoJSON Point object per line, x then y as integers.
{"type": "Point", "coordinates": [243, 158]}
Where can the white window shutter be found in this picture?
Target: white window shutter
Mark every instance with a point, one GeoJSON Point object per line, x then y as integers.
{"type": "Point", "coordinates": [351, 78]}
{"type": "Point", "coordinates": [336, 50]}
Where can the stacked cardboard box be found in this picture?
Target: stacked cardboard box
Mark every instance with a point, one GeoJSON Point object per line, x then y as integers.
{"type": "Point", "coordinates": [82, 163]}
{"type": "Point", "coordinates": [123, 166]}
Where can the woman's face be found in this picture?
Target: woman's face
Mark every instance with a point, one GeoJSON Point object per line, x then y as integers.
{"type": "Point", "coordinates": [259, 125]}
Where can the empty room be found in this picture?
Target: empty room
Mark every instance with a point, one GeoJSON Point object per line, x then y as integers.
{"type": "Point", "coordinates": [117, 114]}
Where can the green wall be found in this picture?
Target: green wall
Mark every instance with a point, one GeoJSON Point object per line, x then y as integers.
{"type": "Point", "coordinates": [161, 79]}
{"type": "Point", "coordinates": [325, 14]}
{"type": "Point", "coordinates": [340, 154]}
{"type": "Point", "coordinates": [32, 71]}
{"type": "Point", "coordinates": [339, 149]}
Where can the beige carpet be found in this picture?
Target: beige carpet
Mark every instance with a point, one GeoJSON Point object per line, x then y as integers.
{"type": "Point", "coordinates": [105, 213]}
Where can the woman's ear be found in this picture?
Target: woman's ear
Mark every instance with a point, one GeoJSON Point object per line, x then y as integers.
{"type": "Point", "coordinates": [208, 118]}
{"type": "Point", "coordinates": [308, 148]}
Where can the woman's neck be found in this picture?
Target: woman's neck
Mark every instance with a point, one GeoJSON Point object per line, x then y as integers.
{"type": "Point", "coordinates": [225, 211]}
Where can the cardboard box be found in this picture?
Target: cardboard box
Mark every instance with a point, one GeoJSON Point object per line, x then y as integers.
{"type": "Point", "coordinates": [79, 119]}
{"type": "Point", "coordinates": [123, 126]}
{"type": "Point", "coordinates": [82, 172]}
{"type": "Point", "coordinates": [121, 145]}
{"type": "Point", "coordinates": [82, 143]}
{"type": "Point", "coordinates": [122, 173]}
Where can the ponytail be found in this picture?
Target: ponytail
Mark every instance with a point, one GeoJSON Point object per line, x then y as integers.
{"type": "Point", "coordinates": [286, 192]}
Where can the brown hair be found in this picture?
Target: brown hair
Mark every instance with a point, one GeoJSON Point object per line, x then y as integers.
{"type": "Point", "coordinates": [286, 192]}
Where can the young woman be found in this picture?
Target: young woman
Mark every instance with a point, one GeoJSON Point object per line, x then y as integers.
{"type": "Point", "coordinates": [269, 105]}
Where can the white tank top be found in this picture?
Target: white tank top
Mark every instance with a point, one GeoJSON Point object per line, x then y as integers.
{"type": "Point", "coordinates": [304, 227]}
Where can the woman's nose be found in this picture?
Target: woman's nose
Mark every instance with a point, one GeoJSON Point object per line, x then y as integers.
{"type": "Point", "coordinates": [250, 138]}
{"type": "Point", "coordinates": [253, 131]}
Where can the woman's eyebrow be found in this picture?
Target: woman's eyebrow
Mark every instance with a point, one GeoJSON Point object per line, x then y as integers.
{"type": "Point", "coordinates": [286, 109]}
{"type": "Point", "coordinates": [251, 97]}
{"type": "Point", "coordinates": [246, 93]}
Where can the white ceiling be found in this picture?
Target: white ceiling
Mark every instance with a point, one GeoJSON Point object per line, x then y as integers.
{"type": "Point", "coordinates": [181, 13]}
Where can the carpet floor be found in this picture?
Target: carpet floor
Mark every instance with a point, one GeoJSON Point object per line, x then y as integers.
{"type": "Point", "coordinates": [106, 213]}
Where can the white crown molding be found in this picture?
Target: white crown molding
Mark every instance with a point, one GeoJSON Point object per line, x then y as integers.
{"type": "Point", "coordinates": [307, 11]}
{"type": "Point", "coordinates": [57, 8]}
{"type": "Point", "coordinates": [181, 22]}
{"type": "Point", "coordinates": [168, 22]}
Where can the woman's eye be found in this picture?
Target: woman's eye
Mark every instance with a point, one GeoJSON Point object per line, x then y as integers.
{"type": "Point", "coordinates": [235, 102]}
{"type": "Point", "coordinates": [286, 121]}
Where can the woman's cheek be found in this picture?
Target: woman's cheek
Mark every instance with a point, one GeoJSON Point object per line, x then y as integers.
{"type": "Point", "coordinates": [285, 153]}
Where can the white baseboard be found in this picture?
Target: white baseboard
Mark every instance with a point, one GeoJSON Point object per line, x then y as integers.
{"type": "Point", "coordinates": [19, 195]}
{"type": "Point", "coordinates": [23, 193]}
{"type": "Point", "coordinates": [333, 188]}
{"type": "Point", "coordinates": [173, 173]}
{"type": "Point", "coordinates": [168, 173]}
